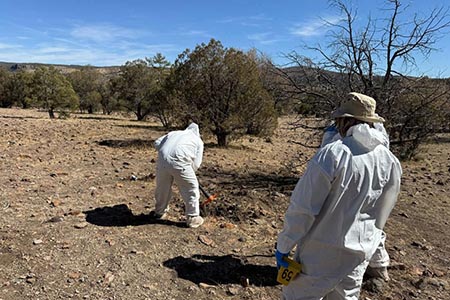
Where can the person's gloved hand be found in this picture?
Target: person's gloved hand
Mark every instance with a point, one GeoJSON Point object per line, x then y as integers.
{"type": "Point", "coordinates": [331, 128]}
{"type": "Point", "coordinates": [329, 134]}
{"type": "Point", "coordinates": [280, 262]}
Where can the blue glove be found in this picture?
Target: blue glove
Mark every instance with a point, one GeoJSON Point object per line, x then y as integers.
{"type": "Point", "coordinates": [280, 262]}
{"type": "Point", "coordinates": [331, 128]}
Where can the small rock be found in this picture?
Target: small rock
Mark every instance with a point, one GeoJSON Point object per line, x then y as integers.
{"type": "Point", "coordinates": [56, 202]}
{"type": "Point", "coordinates": [397, 266]}
{"type": "Point", "coordinates": [30, 280]}
{"type": "Point", "coordinates": [403, 215]}
{"type": "Point", "coordinates": [93, 190]}
{"type": "Point", "coordinates": [81, 225]}
{"type": "Point", "coordinates": [417, 244]}
{"type": "Point", "coordinates": [205, 240]}
{"type": "Point", "coordinates": [438, 282]}
{"type": "Point", "coordinates": [37, 241]}
{"type": "Point", "coordinates": [416, 271]}
{"type": "Point", "coordinates": [242, 239]}
{"type": "Point", "coordinates": [233, 291]}
{"type": "Point", "coordinates": [245, 282]}
{"type": "Point", "coordinates": [374, 285]}
{"type": "Point", "coordinates": [109, 277]}
{"type": "Point", "coordinates": [77, 213]}
{"type": "Point", "coordinates": [56, 219]}
{"type": "Point", "coordinates": [206, 286]}
{"type": "Point", "coordinates": [439, 273]}
{"type": "Point", "coordinates": [74, 275]}
{"type": "Point", "coordinates": [227, 225]}
{"type": "Point", "coordinates": [419, 284]}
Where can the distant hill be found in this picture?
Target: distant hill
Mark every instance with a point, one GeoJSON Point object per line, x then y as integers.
{"type": "Point", "coordinates": [65, 69]}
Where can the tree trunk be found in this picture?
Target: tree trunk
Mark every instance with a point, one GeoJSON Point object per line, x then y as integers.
{"type": "Point", "coordinates": [222, 139]}
{"type": "Point", "coordinates": [139, 115]}
{"type": "Point", "coordinates": [51, 113]}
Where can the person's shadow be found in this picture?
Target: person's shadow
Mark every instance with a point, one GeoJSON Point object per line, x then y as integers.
{"type": "Point", "coordinates": [228, 269]}
{"type": "Point", "coordinates": [121, 215]}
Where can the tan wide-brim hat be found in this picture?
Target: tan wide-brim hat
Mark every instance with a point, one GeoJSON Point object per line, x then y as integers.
{"type": "Point", "coordinates": [358, 106]}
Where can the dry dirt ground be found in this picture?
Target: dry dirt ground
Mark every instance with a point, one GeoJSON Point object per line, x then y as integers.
{"type": "Point", "coordinates": [75, 194]}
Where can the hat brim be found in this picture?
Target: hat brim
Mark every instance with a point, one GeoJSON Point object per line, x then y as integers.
{"type": "Point", "coordinates": [373, 119]}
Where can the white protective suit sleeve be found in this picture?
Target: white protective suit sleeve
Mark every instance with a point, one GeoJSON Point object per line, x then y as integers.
{"type": "Point", "coordinates": [307, 200]}
{"type": "Point", "coordinates": [199, 153]}
{"type": "Point", "coordinates": [198, 157]}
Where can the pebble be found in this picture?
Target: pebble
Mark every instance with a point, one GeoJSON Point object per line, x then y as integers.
{"type": "Point", "coordinates": [37, 241]}
{"type": "Point", "coordinates": [81, 225]}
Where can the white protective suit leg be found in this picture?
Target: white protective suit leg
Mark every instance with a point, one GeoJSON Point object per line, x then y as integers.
{"type": "Point", "coordinates": [187, 183]}
{"type": "Point", "coordinates": [163, 192]}
{"type": "Point", "coordinates": [380, 258]}
{"type": "Point", "coordinates": [350, 287]}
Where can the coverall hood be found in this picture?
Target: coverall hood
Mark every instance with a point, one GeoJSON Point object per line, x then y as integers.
{"type": "Point", "coordinates": [363, 135]}
{"type": "Point", "coordinates": [194, 128]}
{"type": "Point", "coordinates": [369, 138]}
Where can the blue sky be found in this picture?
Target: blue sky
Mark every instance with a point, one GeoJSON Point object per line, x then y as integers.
{"type": "Point", "coordinates": [105, 33]}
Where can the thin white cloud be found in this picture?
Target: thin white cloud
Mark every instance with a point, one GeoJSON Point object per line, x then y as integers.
{"type": "Point", "coordinates": [53, 49]}
{"type": "Point", "coordinates": [261, 17]}
{"type": "Point", "coordinates": [263, 38]}
{"type": "Point", "coordinates": [58, 52]}
{"type": "Point", "coordinates": [102, 33]}
{"type": "Point", "coordinates": [248, 21]}
{"type": "Point", "coordinates": [314, 27]}
{"type": "Point", "coordinates": [201, 33]}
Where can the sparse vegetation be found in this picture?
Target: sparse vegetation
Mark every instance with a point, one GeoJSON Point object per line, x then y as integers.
{"type": "Point", "coordinates": [52, 91]}
{"type": "Point", "coordinates": [231, 92]}
{"type": "Point", "coordinates": [221, 89]}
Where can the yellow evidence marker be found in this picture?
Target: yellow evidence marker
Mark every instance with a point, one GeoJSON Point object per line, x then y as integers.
{"type": "Point", "coordinates": [285, 275]}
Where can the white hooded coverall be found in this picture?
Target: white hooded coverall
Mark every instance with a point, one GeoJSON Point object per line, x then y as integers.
{"type": "Point", "coordinates": [337, 213]}
{"type": "Point", "coordinates": [381, 256]}
{"type": "Point", "coordinates": [180, 154]}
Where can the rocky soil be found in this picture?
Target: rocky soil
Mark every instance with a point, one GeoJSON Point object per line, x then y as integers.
{"type": "Point", "coordinates": [75, 194]}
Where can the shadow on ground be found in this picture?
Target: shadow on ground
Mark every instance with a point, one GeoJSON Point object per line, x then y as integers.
{"type": "Point", "coordinates": [145, 126]}
{"type": "Point", "coordinates": [228, 269]}
{"type": "Point", "coordinates": [132, 143]}
{"type": "Point", "coordinates": [120, 215]}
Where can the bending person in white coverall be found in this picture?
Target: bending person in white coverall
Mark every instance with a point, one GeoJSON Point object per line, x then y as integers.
{"type": "Point", "coordinates": [339, 207]}
{"type": "Point", "coordinates": [180, 154]}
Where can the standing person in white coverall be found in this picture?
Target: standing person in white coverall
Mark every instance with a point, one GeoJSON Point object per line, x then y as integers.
{"type": "Point", "coordinates": [339, 207]}
{"type": "Point", "coordinates": [380, 260]}
{"type": "Point", "coordinates": [180, 154]}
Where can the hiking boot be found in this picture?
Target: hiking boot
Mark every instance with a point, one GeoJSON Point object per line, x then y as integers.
{"type": "Point", "coordinates": [380, 273]}
{"type": "Point", "coordinates": [194, 222]}
{"type": "Point", "coordinates": [155, 216]}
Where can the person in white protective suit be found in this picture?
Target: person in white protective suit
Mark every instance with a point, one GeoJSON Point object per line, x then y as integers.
{"type": "Point", "coordinates": [180, 154]}
{"type": "Point", "coordinates": [380, 260]}
{"type": "Point", "coordinates": [339, 207]}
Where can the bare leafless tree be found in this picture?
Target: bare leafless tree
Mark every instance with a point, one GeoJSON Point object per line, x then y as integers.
{"type": "Point", "coordinates": [377, 59]}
